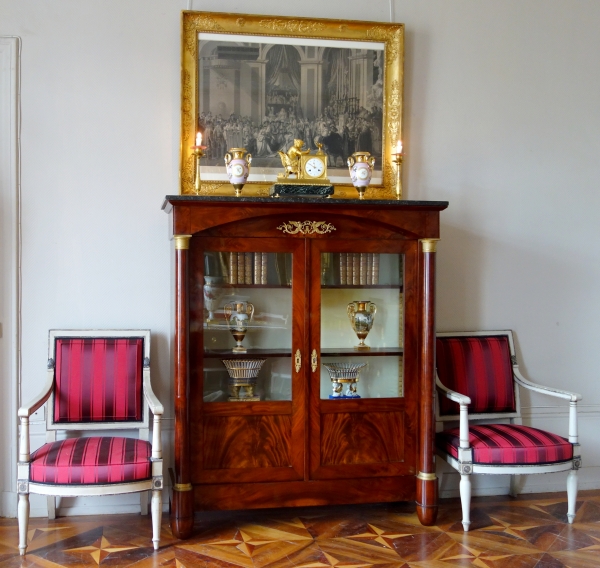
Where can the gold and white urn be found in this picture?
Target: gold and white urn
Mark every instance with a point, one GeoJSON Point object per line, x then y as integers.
{"type": "Point", "coordinates": [361, 314]}
{"type": "Point", "coordinates": [239, 315]}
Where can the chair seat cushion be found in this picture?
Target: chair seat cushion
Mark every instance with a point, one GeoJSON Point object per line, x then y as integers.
{"type": "Point", "coordinates": [89, 461]}
{"type": "Point", "coordinates": [508, 444]}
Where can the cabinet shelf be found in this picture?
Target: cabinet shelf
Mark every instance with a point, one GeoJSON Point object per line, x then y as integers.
{"type": "Point", "coordinates": [362, 286]}
{"type": "Point", "coordinates": [250, 354]}
{"type": "Point", "coordinates": [229, 286]}
{"type": "Point", "coordinates": [351, 352]}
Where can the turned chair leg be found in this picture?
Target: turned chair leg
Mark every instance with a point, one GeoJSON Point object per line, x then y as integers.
{"type": "Point", "coordinates": [515, 485]}
{"type": "Point", "coordinates": [571, 495]}
{"type": "Point", "coordinates": [144, 502]}
{"type": "Point", "coordinates": [23, 515]}
{"type": "Point", "coordinates": [465, 500]}
{"type": "Point", "coordinates": [156, 506]}
{"type": "Point", "coordinates": [51, 507]}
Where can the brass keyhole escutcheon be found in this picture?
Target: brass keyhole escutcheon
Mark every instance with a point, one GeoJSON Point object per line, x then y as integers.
{"type": "Point", "coordinates": [314, 360]}
{"type": "Point", "coordinates": [298, 360]}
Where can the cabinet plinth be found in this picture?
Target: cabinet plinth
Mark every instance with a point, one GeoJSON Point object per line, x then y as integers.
{"type": "Point", "coordinates": [276, 401]}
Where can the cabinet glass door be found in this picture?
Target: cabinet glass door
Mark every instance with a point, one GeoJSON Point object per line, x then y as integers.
{"type": "Point", "coordinates": [245, 382]}
{"type": "Point", "coordinates": [247, 324]}
{"type": "Point", "coordinates": [362, 390]}
{"type": "Point", "coordinates": [362, 307]}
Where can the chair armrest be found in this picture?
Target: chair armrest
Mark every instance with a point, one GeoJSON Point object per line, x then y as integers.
{"type": "Point", "coordinates": [157, 410]}
{"type": "Point", "coordinates": [572, 397]}
{"type": "Point", "coordinates": [155, 406]}
{"type": "Point", "coordinates": [27, 410]}
{"type": "Point", "coordinates": [452, 395]}
{"type": "Point", "coordinates": [558, 393]}
{"type": "Point", "coordinates": [463, 401]}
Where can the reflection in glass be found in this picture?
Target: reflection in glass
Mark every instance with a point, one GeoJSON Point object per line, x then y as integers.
{"type": "Point", "coordinates": [253, 305]}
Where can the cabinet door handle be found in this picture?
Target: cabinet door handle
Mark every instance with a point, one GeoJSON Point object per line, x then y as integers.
{"type": "Point", "coordinates": [298, 360]}
{"type": "Point", "coordinates": [314, 361]}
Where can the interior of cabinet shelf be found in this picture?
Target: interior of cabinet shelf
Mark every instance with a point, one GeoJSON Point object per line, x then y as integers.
{"type": "Point", "coordinates": [250, 354]}
{"type": "Point", "coordinates": [258, 286]}
{"type": "Point", "coordinates": [363, 286]}
{"type": "Point", "coordinates": [325, 286]}
{"type": "Point", "coordinates": [372, 352]}
{"type": "Point", "coordinates": [328, 352]}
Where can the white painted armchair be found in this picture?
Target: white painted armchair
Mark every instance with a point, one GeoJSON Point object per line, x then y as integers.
{"type": "Point", "coordinates": [96, 380]}
{"type": "Point", "coordinates": [477, 381]}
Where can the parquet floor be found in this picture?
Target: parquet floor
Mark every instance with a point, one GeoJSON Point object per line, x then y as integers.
{"type": "Point", "coordinates": [527, 532]}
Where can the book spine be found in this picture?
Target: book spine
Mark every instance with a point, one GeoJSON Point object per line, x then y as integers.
{"type": "Point", "coordinates": [363, 268]}
{"type": "Point", "coordinates": [343, 268]}
{"type": "Point", "coordinates": [233, 267]}
{"type": "Point", "coordinates": [263, 269]}
{"type": "Point", "coordinates": [376, 268]}
{"type": "Point", "coordinates": [369, 268]}
{"type": "Point", "coordinates": [240, 268]}
{"type": "Point", "coordinates": [248, 268]}
{"type": "Point", "coordinates": [355, 269]}
{"type": "Point", "coordinates": [349, 266]}
{"type": "Point", "coordinates": [257, 267]}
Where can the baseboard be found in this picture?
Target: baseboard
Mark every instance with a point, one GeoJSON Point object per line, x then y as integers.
{"type": "Point", "coordinates": [486, 485]}
{"type": "Point", "coordinates": [86, 506]}
{"type": "Point", "coordinates": [8, 504]}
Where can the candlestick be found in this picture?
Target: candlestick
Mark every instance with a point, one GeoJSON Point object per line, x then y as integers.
{"type": "Point", "coordinates": [397, 158]}
{"type": "Point", "coordinates": [198, 152]}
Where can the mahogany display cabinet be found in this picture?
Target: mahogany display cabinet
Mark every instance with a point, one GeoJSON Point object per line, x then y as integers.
{"type": "Point", "coordinates": [259, 421]}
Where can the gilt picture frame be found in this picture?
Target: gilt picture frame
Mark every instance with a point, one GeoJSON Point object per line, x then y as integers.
{"type": "Point", "coordinates": [259, 82]}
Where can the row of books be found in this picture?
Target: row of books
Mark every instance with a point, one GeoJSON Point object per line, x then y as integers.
{"type": "Point", "coordinates": [247, 268]}
{"type": "Point", "coordinates": [350, 269]}
{"type": "Point", "coordinates": [342, 269]}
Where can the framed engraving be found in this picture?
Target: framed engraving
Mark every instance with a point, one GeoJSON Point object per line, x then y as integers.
{"type": "Point", "coordinates": [259, 82]}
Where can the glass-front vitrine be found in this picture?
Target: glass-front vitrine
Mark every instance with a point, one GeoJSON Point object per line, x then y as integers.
{"type": "Point", "coordinates": [303, 353]}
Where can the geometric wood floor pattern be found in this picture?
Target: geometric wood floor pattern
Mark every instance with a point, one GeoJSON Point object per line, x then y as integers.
{"type": "Point", "coordinates": [527, 532]}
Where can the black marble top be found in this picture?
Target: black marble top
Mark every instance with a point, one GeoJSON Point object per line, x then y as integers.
{"type": "Point", "coordinates": [327, 202]}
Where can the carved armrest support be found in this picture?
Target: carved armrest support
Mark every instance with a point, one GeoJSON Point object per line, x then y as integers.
{"type": "Point", "coordinates": [155, 405]}
{"type": "Point", "coordinates": [26, 411]}
{"type": "Point", "coordinates": [463, 402]}
{"type": "Point", "coordinates": [558, 393]}
{"type": "Point", "coordinates": [157, 410]}
{"type": "Point", "coordinates": [40, 399]}
{"type": "Point", "coordinates": [572, 397]}
{"type": "Point", "coordinates": [452, 395]}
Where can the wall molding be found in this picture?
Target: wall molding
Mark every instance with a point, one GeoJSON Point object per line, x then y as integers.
{"type": "Point", "coordinates": [583, 411]}
{"type": "Point", "coordinates": [10, 257]}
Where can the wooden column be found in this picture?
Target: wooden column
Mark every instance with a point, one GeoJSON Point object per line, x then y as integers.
{"type": "Point", "coordinates": [182, 505]}
{"type": "Point", "coordinates": [427, 483]}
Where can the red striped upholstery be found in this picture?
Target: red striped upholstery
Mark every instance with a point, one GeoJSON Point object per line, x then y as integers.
{"type": "Point", "coordinates": [98, 379]}
{"type": "Point", "coordinates": [508, 444]}
{"type": "Point", "coordinates": [479, 367]}
{"type": "Point", "coordinates": [94, 460]}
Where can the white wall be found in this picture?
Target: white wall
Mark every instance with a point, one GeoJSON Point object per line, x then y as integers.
{"type": "Point", "coordinates": [501, 119]}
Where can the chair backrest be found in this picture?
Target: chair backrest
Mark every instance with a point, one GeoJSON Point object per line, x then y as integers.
{"type": "Point", "coordinates": [98, 378]}
{"type": "Point", "coordinates": [479, 365]}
